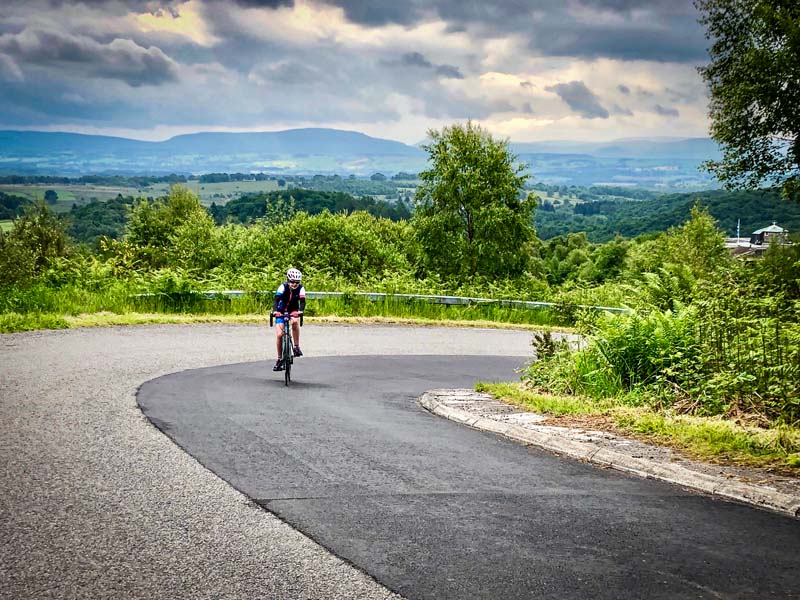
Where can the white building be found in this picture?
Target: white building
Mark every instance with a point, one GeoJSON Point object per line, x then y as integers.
{"type": "Point", "coordinates": [759, 241]}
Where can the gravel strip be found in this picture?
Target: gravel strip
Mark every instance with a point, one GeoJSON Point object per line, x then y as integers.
{"type": "Point", "coordinates": [97, 503]}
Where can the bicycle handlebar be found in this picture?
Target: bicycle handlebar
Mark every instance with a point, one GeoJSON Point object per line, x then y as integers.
{"type": "Point", "coordinates": [285, 315]}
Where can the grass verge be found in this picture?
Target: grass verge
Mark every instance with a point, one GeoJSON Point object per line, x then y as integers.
{"type": "Point", "coordinates": [16, 322]}
{"type": "Point", "coordinates": [707, 438]}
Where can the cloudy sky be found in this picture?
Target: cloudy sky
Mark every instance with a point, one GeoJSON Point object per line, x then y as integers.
{"type": "Point", "coordinates": [527, 70]}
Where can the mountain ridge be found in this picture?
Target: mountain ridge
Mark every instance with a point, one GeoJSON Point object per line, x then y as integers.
{"type": "Point", "coordinates": [670, 163]}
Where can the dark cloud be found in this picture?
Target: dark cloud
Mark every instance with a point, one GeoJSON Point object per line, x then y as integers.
{"type": "Point", "coordinates": [662, 30]}
{"type": "Point", "coordinates": [415, 59]}
{"type": "Point", "coordinates": [580, 99]}
{"type": "Point", "coordinates": [526, 84]}
{"type": "Point", "coordinates": [381, 12]}
{"type": "Point", "coordinates": [666, 111]}
{"type": "Point", "coordinates": [264, 3]}
{"type": "Point", "coordinates": [594, 41]}
{"type": "Point", "coordinates": [449, 72]}
{"type": "Point", "coordinates": [120, 59]}
{"type": "Point", "coordinates": [624, 89]}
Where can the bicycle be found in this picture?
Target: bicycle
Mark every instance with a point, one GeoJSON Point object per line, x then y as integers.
{"type": "Point", "coordinates": [287, 344]}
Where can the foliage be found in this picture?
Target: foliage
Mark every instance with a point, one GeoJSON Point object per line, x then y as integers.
{"type": "Point", "coordinates": [250, 207]}
{"type": "Point", "coordinates": [12, 206]}
{"type": "Point", "coordinates": [176, 231]}
{"type": "Point", "coordinates": [90, 222]}
{"type": "Point", "coordinates": [469, 218]}
{"type": "Point", "coordinates": [610, 214]}
{"type": "Point", "coordinates": [754, 80]}
{"type": "Point", "coordinates": [713, 336]}
{"type": "Point", "coordinates": [36, 238]}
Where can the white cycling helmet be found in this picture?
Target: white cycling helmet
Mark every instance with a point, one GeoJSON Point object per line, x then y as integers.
{"type": "Point", "coordinates": [294, 275]}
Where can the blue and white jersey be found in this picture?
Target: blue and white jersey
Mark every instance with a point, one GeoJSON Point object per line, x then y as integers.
{"type": "Point", "coordinates": [288, 299]}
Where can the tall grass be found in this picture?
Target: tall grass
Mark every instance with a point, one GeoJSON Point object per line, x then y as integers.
{"type": "Point", "coordinates": [122, 298]}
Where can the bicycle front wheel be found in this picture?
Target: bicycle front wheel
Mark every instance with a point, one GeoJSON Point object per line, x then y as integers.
{"type": "Point", "coordinates": [288, 358]}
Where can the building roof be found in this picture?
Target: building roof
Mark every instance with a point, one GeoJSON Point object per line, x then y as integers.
{"type": "Point", "coordinates": [771, 229]}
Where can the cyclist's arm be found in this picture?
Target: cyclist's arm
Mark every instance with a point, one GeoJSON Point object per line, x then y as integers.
{"type": "Point", "coordinates": [278, 302]}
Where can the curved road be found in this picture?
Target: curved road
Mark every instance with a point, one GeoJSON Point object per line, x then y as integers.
{"type": "Point", "coordinates": [97, 503]}
{"type": "Point", "coordinates": [433, 509]}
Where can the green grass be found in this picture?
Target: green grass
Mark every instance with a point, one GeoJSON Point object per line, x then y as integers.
{"type": "Point", "coordinates": [119, 304]}
{"type": "Point", "coordinates": [13, 322]}
{"type": "Point", "coordinates": [6, 225]}
{"type": "Point", "coordinates": [708, 438]}
{"type": "Point", "coordinates": [16, 322]}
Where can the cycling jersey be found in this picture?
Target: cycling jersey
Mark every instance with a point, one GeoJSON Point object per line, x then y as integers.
{"type": "Point", "coordinates": [288, 299]}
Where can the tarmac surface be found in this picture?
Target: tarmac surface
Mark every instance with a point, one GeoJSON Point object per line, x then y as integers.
{"type": "Point", "coordinates": [98, 503]}
{"type": "Point", "coordinates": [433, 509]}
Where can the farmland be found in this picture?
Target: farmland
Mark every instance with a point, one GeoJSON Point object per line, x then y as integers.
{"type": "Point", "coordinates": [80, 194]}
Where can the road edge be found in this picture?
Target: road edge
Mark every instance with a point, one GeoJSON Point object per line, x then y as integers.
{"type": "Point", "coordinates": [716, 486]}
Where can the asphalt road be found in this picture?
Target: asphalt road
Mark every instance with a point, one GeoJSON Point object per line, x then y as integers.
{"type": "Point", "coordinates": [98, 503]}
{"type": "Point", "coordinates": [433, 509]}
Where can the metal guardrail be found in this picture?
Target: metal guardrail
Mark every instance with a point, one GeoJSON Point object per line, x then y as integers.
{"type": "Point", "coordinates": [447, 300]}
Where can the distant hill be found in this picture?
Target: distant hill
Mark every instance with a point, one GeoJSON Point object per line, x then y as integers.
{"type": "Point", "coordinates": [291, 151]}
{"type": "Point", "coordinates": [635, 148]}
{"type": "Point", "coordinates": [667, 164]}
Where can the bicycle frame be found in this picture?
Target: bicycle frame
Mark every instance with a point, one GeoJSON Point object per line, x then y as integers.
{"type": "Point", "coordinates": [287, 344]}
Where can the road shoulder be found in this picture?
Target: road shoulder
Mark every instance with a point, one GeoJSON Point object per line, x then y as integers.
{"type": "Point", "coordinates": [756, 487]}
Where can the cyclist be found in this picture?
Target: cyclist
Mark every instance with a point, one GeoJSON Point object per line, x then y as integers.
{"type": "Point", "coordinates": [290, 297]}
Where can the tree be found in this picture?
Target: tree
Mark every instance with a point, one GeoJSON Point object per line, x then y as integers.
{"type": "Point", "coordinates": [174, 231]}
{"type": "Point", "coordinates": [471, 217]}
{"type": "Point", "coordinates": [754, 81]}
{"type": "Point", "coordinates": [51, 197]}
{"type": "Point", "coordinates": [36, 239]}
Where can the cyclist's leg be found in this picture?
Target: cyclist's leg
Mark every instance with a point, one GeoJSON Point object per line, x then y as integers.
{"type": "Point", "coordinates": [296, 336]}
{"type": "Point", "coordinates": [278, 335]}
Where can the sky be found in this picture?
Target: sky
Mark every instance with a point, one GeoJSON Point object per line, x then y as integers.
{"type": "Point", "coordinates": [527, 71]}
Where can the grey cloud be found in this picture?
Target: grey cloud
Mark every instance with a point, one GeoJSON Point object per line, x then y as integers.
{"type": "Point", "coordinates": [526, 84]}
{"type": "Point", "coordinates": [415, 59]}
{"type": "Point", "coordinates": [663, 30]}
{"type": "Point", "coordinates": [449, 72]}
{"type": "Point", "coordinates": [9, 70]}
{"type": "Point", "coordinates": [121, 6]}
{"type": "Point", "coordinates": [120, 59]}
{"type": "Point", "coordinates": [450, 105]}
{"type": "Point", "coordinates": [624, 89]}
{"type": "Point", "coordinates": [381, 12]}
{"type": "Point", "coordinates": [580, 99]}
{"type": "Point", "coordinates": [586, 41]}
{"type": "Point", "coordinates": [288, 73]}
{"type": "Point", "coordinates": [621, 110]}
{"type": "Point", "coordinates": [264, 3]}
{"type": "Point", "coordinates": [666, 111]}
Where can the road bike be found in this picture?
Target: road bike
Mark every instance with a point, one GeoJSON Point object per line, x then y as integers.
{"type": "Point", "coordinates": [287, 344]}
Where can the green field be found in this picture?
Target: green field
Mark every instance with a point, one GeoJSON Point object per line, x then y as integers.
{"type": "Point", "coordinates": [83, 194]}
{"type": "Point", "coordinates": [6, 225]}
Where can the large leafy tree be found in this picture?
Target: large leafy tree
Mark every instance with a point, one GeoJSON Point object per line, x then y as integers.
{"type": "Point", "coordinates": [36, 239]}
{"type": "Point", "coordinates": [472, 218]}
{"type": "Point", "coordinates": [754, 80]}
